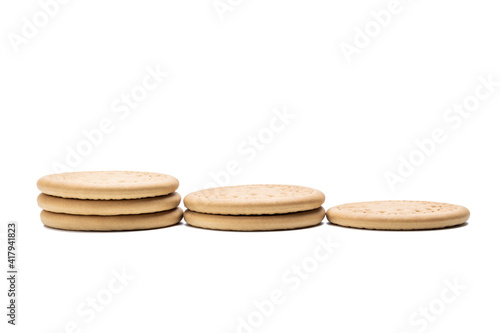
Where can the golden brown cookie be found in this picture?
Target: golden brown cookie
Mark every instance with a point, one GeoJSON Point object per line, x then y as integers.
{"type": "Point", "coordinates": [111, 223]}
{"type": "Point", "coordinates": [255, 222]}
{"type": "Point", "coordinates": [107, 185]}
{"type": "Point", "coordinates": [398, 215]}
{"type": "Point", "coordinates": [108, 207]}
{"type": "Point", "coordinates": [254, 200]}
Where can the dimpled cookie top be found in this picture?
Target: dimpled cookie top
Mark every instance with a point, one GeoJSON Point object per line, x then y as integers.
{"type": "Point", "coordinates": [254, 200]}
{"type": "Point", "coordinates": [398, 215]}
{"type": "Point", "coordinates": [108, 185]}
{"type": "Point", "coordinates": [400, 209]}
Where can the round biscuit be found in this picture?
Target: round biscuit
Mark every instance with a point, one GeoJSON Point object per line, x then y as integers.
{"type": "Point", "coordinates": [255, 222]}
{"type": "Point", "coordinates": [107, 185]}
{"type": "Point", "coordinates": [398, 215]}
{"type": "Point", "coordinates": [254, 200]}
{"type": "Point", "coordinates": [108, 207]}
{"type": "Point", "coordinates": [111, 223]}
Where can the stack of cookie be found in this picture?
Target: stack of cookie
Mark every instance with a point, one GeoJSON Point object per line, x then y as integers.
{"type": "Point", "coordinates": [255, 207]}
{"type": "Point", "coordinates": [109, 200]}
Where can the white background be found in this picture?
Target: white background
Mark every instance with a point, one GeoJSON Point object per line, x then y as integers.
{"type": "Point", "coordinates": [352, 121]}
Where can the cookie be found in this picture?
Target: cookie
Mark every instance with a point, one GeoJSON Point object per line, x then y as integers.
{"type": "Point", "coordinates": [254, 200]}
{"type": "Point", "coordinates": [108, 207]}
{"type": "Point", "coordinates": [111, 223]}
{"type": "Point", "coordinates": [255, 222]}
{"type": "Point", "coordinates": [398, 215]}
{"type": "Point", "coordinates": [107, 185]}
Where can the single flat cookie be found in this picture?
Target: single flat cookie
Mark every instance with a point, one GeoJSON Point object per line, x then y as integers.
{"type": "Point", "coordinates": [255, 222]}
{"type": "Point", "coordinates": [111, 223]}
{"type": "Point", "coordinates": [254, 200]}
{"type": "Point", "coordinates": [398, 215]}
{"type": "Point", "coordinates": [108, 207]}
{"type": "Point", "coordinates": [108, 185]}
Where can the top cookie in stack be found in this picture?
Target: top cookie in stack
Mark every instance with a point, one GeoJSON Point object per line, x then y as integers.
{"type": "Point", "coordinates": [109, 200]}
{"type": "Point", "coordinates": [255, 207]}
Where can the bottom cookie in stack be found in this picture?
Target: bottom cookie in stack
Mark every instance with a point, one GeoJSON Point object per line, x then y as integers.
{"type": "Point", "coordinates": [111, 222]}
{"type": "Point", "coordinates": [109, 201]}
{"type": "Point", "coordinates": [255, 208]}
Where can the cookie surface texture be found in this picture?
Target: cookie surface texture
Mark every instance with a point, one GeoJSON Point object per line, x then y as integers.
{"type": "Point", "coordinates": [255, 222]}
{"type": "Point", "coordinates": [108, 207]}
{"type": "Point", "coordinates": [398, 215]}
{"type": "Point", "coordinates": [111, 223]}
{"type": "Point", "coordinates": [254, 200]}
{"type": "Point", "coordinates": [107, 185]}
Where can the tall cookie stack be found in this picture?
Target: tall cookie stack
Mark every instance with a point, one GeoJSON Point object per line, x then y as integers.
{"type": "Point", "coordinates": [255, 207]}
{"type": "Point", "coordinates": [109, 200]}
